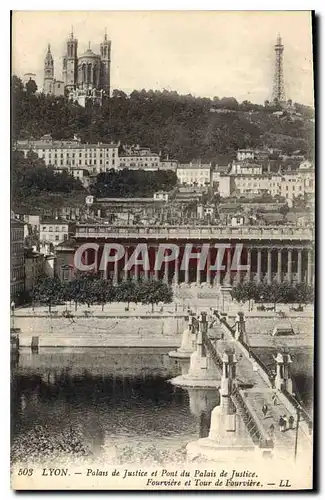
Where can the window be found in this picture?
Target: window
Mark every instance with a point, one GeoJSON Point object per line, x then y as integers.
{"type": "Point", "coordinates": [57, 228]}
{"type": "Point", "coordinates": [57, 237]}
{"type": "Point", "coordinates": [50, 228]}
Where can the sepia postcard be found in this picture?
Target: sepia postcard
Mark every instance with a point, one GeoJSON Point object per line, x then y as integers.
{"type": "Point", "coordinates": [162, 250]}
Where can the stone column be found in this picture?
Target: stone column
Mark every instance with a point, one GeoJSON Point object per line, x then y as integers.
{"type": "Point", "coordinates": [208, 268]}
{"type": "Point", "coordinates": [299, 270]}
{"type": "Point", "coordinates": [198, 272]}
{"type": "Point", "coordinates": [105, 271]}
{"type": "Point", "coordinates": [115, 277]}
{"type": "Point", "coordinates": [227, 279]}
{"type": "Point", "coordinates": [146, 271]}
{"type": "Point", "coordinates": [156, 272]}
{"type": "Point", "coordinates": [187, 276]}
{"type": "Point", "coordinates": [309, 271]}
{"type": "Point", "coordinates": [87, 257]}
{"type": "Point", "coordinates": [249, 264]}
{"type": "Point", "coordinates": [166, 272]}
{"type": "Point", "coordinates": [126, 258]}
{"type": "Point", "coordinates": [269, 267]}
{"type": "Point", "coordinates": [259, 265]}
{"type": "Point", "coordinates": [136, 272]}
{"type": "Point", "coordinates": [176, 274]}
{"type": "Point", "coordinates": [279, 270]}
{"type": "Point", "coordinates": [289, 265]}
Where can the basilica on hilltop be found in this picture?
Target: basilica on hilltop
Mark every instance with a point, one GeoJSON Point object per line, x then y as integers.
{"type": "Point", "coordinates": [85, 76]}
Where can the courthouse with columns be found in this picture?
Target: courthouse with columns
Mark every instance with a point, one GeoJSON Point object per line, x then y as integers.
{"type": "Point", "coordinates": [270, 254]}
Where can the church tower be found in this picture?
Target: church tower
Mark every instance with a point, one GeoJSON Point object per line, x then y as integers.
{"type": "Point", "coordinates": [48, 72]}
{"type": "Point", "coordinates": [70, 63]}
{"type": "Point", "coordinates": [105, 56]}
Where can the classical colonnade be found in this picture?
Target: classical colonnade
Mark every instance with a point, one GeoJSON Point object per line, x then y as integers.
{"type": "Point", "coordinates": [268, 264]}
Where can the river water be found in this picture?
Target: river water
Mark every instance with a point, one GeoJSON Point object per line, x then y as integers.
{"type": "Point", "coordinates": [109, 403]}
{"type": "Point", "coordinates": [90, 402]}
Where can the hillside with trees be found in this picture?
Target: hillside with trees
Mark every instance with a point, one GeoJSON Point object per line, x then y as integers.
{"type": "Point", "coordinates": [133, 183]}
{"type": "Point", "coordinates": [34, 185]}
{"type": "Point", "coordinates": [183, 126]}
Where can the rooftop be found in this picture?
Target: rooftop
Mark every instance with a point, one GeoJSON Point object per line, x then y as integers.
{"type": "Point", "coordinates": [50, 144]}
{"type": "Point", "coordinates": [54, 221]}
{"type": "Point", "coordinates": [125, 200]}
{"type": "Point", "coordinates": [185, 166]}
{"type": "Point", "coordinates": [137, 154]}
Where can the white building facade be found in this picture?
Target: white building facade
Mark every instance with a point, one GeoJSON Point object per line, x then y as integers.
{"type": "Point", "coordinates": [95, 158]}
{"type": "Point", "coordinates": [194, 174]}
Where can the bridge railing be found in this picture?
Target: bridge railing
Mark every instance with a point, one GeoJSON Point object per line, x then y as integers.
{"type": "Point", "coordinates": [213, 352]}
{"type": "Point", "coordinates": [268, 374]}
{"type": "Point", "coordinates": [299, 408]}
{"type": "Point", "coordinates": [258, 433]}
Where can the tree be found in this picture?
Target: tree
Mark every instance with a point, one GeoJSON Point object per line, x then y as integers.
{"type": "Point", "coordinates": [31, 87]}
{"type": "Point", "coordinates": [48, 291]}
{"type": "Point", "coordinates": [81, 289]}
{"type": "Point", "coordinates": [127, 291]}
{"type": "Point", "coordinates": [31, 178]}
{"type": "Point", "coordinates": [284, 292]}
{"type": "Point", "coordinates": [104, 291]}
{"type": "Point", "coordinates": [155, 291]}
{"type": "Point", "coordinates": [133, 183]}
{"type": "Point", "coordinates": [284, 209]}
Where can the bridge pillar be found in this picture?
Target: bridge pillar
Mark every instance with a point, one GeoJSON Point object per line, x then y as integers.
{"type": "Point", "coordinates": [223, 417]}
{"type": "Point", "coordinates": [228, 372]}
{"type": "Point", "coordinates": [202, 370]}
{"type": "Point", "coordinates": [240, 329]}
{"type": "Point", "coordinates": [202, 400]}
{"type": "Point", "coordinates": [283, 371]}
{"type": "Point", "coordinates": [188, 340]}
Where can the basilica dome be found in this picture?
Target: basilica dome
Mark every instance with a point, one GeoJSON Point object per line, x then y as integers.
{"type": "Point", "coordinates": [89, 55]}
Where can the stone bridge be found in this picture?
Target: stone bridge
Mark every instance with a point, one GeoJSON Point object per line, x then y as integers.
{"type": "Point", "coordinates": [252, 398]}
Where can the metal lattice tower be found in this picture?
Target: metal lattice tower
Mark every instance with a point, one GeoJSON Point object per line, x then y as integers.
{"type": "Point", "coordinates": [278, 84]}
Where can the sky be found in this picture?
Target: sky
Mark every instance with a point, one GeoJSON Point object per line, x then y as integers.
{"type": "Point", "coordinates": [204, 53]}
